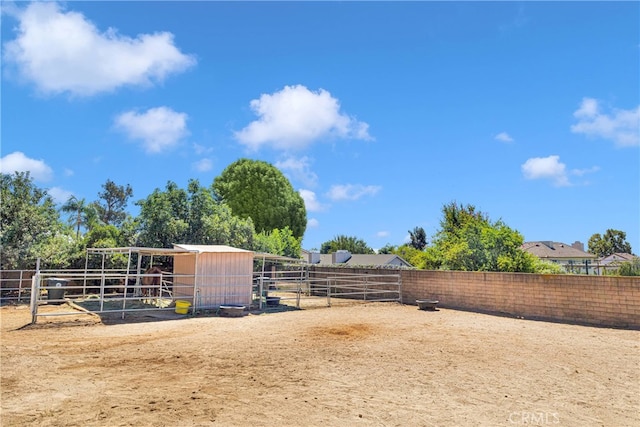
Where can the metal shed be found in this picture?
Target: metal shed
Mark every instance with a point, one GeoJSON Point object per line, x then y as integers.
{"type": "Point", "coordinates": [218, 275]}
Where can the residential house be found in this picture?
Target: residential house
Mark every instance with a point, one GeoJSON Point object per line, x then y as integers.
{"type": "Point", "coordinates": [612, 262]}
{"type": "Point", "coordinates": [572, 257]}
{"type": "Point", "coordinates": [343, 257]}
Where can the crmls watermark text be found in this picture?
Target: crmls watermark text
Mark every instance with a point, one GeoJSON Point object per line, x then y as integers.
{"type": "Point", "coordinates": [534, 418]}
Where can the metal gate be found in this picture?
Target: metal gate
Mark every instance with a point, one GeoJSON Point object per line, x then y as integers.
{"type": "Point", "coordinates": [303, 288]}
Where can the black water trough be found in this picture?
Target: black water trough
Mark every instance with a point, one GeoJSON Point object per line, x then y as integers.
{"type": "Point", "coordinates": [273, 301]}
{"type": "Point", "coordinates": [427, 304]}
{"type": "Point", "coordinates": [231, 310]}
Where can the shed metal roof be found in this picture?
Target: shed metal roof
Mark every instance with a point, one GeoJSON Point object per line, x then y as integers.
{"type": "Point", "coordinates": [210, 248]}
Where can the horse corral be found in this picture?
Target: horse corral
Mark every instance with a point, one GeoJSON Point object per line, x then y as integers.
{"type": "Point", "coordinates": [352, 364]}
{"type": "Point", "coordinates": [205, 278]}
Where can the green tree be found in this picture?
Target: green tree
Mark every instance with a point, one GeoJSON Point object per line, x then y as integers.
{"type": "Point", "coordinates": [278, 242]}
{"type": "Point", "coordinates": [258, 190]}
{"type": "Point", "coordinates": [112, 203]}
{"type": "Point", "coordinates": [61, 250]}
{"type": "Point", "coordinates": [418, 238]}
{"type": "Point", "coordinates": [163, 218]}
{"type": "Point", "coordinates": [28, 220]}
{"type": "Point", "coordinates": [80, 211]}
{"type": "Point", "coordinates": [468, 240]}
{"type": "Point", "coordinates": [630, 268]}
{"type": "Point", "coordinates": [348, 243]}
{"type": "Point", "coordinates": [387, 249]}
{"type": "Point", "coordinates": [413, 256]}
{"type": "Point", "coordinates": [191, 216]}
{"type": "Point", "coordinates": [613, 241]}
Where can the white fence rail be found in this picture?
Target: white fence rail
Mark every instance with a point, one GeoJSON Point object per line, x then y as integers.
{"type": "Point", "coordinates": [123, 292]}
{"type": "Point", "coordinates": [312, 288]}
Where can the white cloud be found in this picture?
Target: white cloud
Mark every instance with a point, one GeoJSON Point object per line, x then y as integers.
{"type": "Point", "coordinates": [158, 128]}
{"type": "Point", "coordinates": [203, 165]}
{"type": "Point", "coordinates": [295, 117]}
{"type": "Point", "coordinates": [582, 172]}
{"type": "Point", "coordinates": [313, 223]}
{"type": "Point", "coordinates": [546, 168]}
{"type": "Point", "coordinates": [64, 52]}
{"type": "Point", "coordinates": [18, 162]}
{"type": "Point", "coordinates": [300, 169]}
{"type": "Point", "coordinates": [201, 149]}
{"type": "Point", "coordinates": [620, 126]}
{"type": "Point", "coordinates": [311, 202]}
{"type": "Point", "coordinates": [504, 137]}
{"type": "Point", "coordinates": [382, 234]}
{"type": "Point", "coordinates": [351, 191]}
{"type": "Point", "coordinates": [59, 195]}
{"type": "Point", "coordinates": [68, 172]}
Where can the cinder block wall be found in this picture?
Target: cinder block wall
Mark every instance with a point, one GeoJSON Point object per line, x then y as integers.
{"type": "Point", "coordinates": [595, 300]}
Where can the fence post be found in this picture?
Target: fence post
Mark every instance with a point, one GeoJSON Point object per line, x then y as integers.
{"type": "Point", "coordinates": [35, 293]}
{"type": "Point", "coordinates": [20, 288]}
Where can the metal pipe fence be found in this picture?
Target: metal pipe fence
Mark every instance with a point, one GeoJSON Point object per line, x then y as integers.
{"type": "Point", "coordinates": [118, 291]}
{"type": "Point", "coordinates": [311, 288]}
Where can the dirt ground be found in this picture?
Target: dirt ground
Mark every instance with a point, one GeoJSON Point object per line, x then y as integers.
{"type": "Point", "coordinates": [366, 364]}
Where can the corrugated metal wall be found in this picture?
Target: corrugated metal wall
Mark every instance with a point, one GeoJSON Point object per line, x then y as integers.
{"type": "Point", "coordinates": [221, 278]}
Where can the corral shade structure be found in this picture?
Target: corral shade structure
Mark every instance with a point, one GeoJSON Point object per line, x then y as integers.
{"type": "Point", "coordinates": [220, 275]}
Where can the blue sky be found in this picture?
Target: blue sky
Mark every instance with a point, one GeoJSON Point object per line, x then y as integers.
{"type": "Point", "coordinates": [378, 113]}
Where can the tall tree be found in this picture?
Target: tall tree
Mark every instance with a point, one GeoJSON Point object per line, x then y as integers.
{"type": "Point", "coordinates": [418, 238]}
{"type": "Point", "coordinates": [258, 190]}
{"type": "Point", "coordinates": [468, 240]}
{"type": "Point", "coordinates": [347, 243]}
{"type": "Point", "coordinates": [190, 216]}
{"type": "Point", "coordinates": [278, 242]}
{"type": "Point", "coordinates": [112, 203]}
{"type": "Point", "coordinates": [613, 241]}
{"type": "Point", "coordinates": [28, 220]}
{"type": "Point", "coordinates": [163, 217]}
{"type": "Point", "coordinates": [76, 207]}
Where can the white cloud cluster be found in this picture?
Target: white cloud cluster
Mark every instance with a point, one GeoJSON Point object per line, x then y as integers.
{"type": "Point", "coordinates": [546, 168]}
{"type": "Point", "coordinates": [311, 202]}
{"type": "Point", "coordinates": [621, 126]}
{"type": "Point", "coordinates": [19, 162]}
{"type": "Point", "coordinates": [504, 137]}
{"type": "Point", "coordinates": [553, 169]}
{"type": "Point", "coordinates": [351, 191]}
{"type": "Point", "coordinates": [64, 52]}
{"type": "Point", "coordinates": [299, 169]}
{"type": "Point", "coordinates": [295, 117]}
{"type": "Point", "coordinates": [38, 170]}
{"type": "Point", "coordinates": [158, 128]}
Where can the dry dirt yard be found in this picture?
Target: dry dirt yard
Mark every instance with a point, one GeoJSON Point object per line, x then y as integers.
{"type": "Point", "coordinates": [370, 365]}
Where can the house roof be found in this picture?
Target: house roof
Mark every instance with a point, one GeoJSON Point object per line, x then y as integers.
{"type": "Point", "coordinates": [618, 256]}
{"type": "Point", "coordinates": [364, 259]}
{"type": "Point", "coordinates": [555, 250]}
